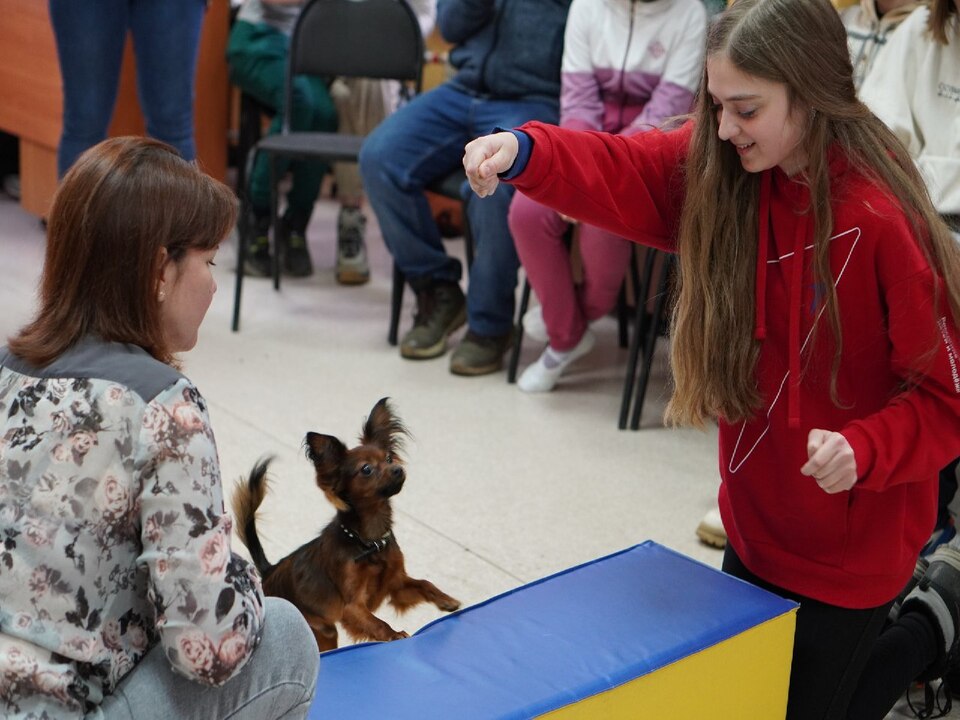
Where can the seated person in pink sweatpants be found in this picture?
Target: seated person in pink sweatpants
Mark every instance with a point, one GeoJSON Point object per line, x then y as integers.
{"type": "Point", "coordinates": [627, 67]}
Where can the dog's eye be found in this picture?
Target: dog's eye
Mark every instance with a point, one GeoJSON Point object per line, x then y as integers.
{"type": "Point", "coordinates": [366, 471]}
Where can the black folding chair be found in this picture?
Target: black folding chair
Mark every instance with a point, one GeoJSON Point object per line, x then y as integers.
{"type": "Point", "coordinates": [378, 39]}
{"type": "Point", "coordinates": [252, 113]}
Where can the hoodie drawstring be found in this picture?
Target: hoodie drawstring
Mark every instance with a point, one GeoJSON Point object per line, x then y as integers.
{"type": "Point", "coordinates": [760, 285]}
{"type": "Point", "coordinates": [796, 292]}
{"type": "Point", "coordinates": [796, 299]}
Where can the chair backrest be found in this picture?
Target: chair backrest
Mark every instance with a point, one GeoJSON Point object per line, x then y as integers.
{"type": "Point", "coordinates": [378, 39]}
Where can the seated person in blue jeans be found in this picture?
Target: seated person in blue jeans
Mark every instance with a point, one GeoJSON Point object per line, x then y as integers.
{"type": "Point", "coordinates": [507, 56]}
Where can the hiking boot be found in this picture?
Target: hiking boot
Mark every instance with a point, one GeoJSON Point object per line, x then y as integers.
{"type": "Point", "coordinates": [479, 354]}
{"type": "Point", "coordinates": [441, 309]}
{"type": "Point", "coordinates": [296, 256]}
{"type": "Point", "coordinates": [352, 265]}
{"type": "Point", "coordinates": [937, 595]}
{"type": "Point", "coordinates": [259, 262]}
{"type": "Point", "coordinates": [293, 241]}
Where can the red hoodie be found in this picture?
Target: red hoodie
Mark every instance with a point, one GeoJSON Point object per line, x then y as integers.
{"type": "Point", "coordinates": [854, 549]}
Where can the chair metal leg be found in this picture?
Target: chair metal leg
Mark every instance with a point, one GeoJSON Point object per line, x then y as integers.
{"type": "Point", "coordinates": [241, 259]}
{"type": "Point", "coordinates": [518, 333]}
{"type": "Point", "coordinates": [274, 222]}
{"type": "Point", "coordinates": [243, 237]}
{"type": "Point", "coordinates": [624, 308]}
{"type": "Point", "coordinates": [650, 343]}
{"type": "Point", "coordinates": [623, 316]}
{"type": "Point", "coordinates": [641, 319]}
{"type": "Point", "coordinates": [248, 136]}
{"type": "Point", "coordinates": [631, 373]}
{"type": "Point", "coordinates": [396, 303]}
{"type": "Point", "coordinates": [467, 235]}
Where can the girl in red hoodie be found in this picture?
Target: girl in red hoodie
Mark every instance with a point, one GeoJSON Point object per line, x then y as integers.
{"type": "Point", "coordinates": [815, 318]}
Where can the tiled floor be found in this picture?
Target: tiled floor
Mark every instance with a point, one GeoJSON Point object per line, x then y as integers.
{"type": "Point", "coordinates": [503, 487]}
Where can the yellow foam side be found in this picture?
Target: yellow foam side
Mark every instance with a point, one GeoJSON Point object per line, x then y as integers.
{"type": "Point", "coordinates": [745, 676]}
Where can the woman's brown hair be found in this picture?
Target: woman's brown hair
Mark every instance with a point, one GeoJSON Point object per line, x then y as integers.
{"type": "Point", "coordinates": [118, 208]}
{"type": "Point", "coordinates": [801, 44]}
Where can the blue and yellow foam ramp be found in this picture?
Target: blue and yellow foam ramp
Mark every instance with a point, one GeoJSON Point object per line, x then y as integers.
{"type": "Point", "coordinates": [643, 633]}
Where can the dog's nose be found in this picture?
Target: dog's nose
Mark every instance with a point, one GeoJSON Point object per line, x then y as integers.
{"type": "Point", "coordinates": [397, 472]}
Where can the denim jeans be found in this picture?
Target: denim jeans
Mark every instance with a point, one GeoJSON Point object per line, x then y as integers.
{"type": "Point", "coordinates": [90, 37]}
{"type": "Point", "coordinates": [420, 143]}
{"type": "Point", "coordinates": [277, 683]}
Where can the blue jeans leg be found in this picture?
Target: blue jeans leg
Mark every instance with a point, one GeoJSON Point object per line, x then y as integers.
{"type": "Point", "coordinates": [89, 37]}
{"type": "Point", "coordinates": [277, 683]}
{"type": "Point", "coordinates": [166, 40]}
{"type": "Point", "coordinates": [421, 142]}
{"type": "Point", "coordinates": [493, 275]}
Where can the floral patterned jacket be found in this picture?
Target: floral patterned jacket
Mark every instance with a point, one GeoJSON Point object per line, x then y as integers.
{"type": "Point", "coordinates": [113, 533]}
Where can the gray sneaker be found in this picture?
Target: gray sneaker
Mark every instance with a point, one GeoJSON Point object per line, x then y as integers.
{"type": "Point", "coordinates": [479, 354]}
{"type": "Point", "coordinates": [352, 265]}
{"type": "Point", "coordinates": [441, 309]}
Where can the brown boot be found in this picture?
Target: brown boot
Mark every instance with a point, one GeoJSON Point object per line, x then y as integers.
{"type": "Point", "coordinates": [441, 309]}
{"type": "Point", "coordinates": [479, 354]}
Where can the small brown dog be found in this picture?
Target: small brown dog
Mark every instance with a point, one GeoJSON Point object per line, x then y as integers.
{"type": "Point", "coordinates": [345, 573]}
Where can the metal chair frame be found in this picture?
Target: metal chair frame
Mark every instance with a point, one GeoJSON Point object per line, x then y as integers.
{"type": "Point", "coordinates": [378, 39]}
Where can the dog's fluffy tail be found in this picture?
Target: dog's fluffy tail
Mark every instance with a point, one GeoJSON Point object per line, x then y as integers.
{"type": "Point", "coordinates": [247, 497]}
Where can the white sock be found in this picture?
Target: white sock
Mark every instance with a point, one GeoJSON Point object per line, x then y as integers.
{"type": "Point", "coordinates": [542, 375]}
{"type": "Point", "coordinates": [533, 324]}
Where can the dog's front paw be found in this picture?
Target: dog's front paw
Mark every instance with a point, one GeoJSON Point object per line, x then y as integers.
{"type": "Point", "coordinates": [398, 635]}
{"type": "Point", "coordinates": [448, 604]}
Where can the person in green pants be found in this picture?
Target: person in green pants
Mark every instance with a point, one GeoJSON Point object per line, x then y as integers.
{"type": "Point", "coordinates": [257, 53]}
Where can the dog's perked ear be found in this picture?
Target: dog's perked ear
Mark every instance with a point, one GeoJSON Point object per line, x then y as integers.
{"type": "Point", "coordinates": [384, 428]}
{"type": "Point", "coordinates": [326, 453]}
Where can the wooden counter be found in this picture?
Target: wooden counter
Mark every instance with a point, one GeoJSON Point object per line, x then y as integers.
{"type": "Point", "coordinates": [31, 102]}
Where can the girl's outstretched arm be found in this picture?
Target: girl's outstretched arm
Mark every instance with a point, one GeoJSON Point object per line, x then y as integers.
{"type": "Point", "coordinates": [486, 157]}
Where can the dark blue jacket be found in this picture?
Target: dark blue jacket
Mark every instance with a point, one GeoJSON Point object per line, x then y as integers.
{"type": "Point", "coordinates": [507, 49]}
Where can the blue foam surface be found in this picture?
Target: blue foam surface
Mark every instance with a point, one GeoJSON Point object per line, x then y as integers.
{"type": "Point", "coordinates": [547, 644]}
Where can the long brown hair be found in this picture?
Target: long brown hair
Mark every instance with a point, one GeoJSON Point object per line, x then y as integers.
{"type": "Point", "coordinates": [122, 203]}
{"type": "Point", "coordinates": [941, 12]}
{"type": "Point", "coordinates": [802, 44]}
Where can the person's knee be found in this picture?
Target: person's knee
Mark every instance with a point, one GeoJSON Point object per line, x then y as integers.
{"type": "Point", "coordinates": [489, 216]}
{"type": "Point", "coordinates": [286, 630]}
{"type": "Point", "coordinates": [370, 159]}
{"type": "Point", "coordinates": [526, 215]}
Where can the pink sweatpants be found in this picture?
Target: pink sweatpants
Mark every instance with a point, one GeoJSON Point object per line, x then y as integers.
{"type": "Point", "coordinates": [567, 308]}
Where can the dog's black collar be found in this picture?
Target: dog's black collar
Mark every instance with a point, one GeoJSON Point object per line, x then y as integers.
{"type": "Point", "coordinates": [370, 547]}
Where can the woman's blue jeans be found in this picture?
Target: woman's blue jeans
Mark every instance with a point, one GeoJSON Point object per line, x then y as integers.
{"type": "Point", "coordinates": [420, 143]}
{"type": "Point", "coordinates": [277, 683]}
{"type": "Point", "coordinates": [90, 36]}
